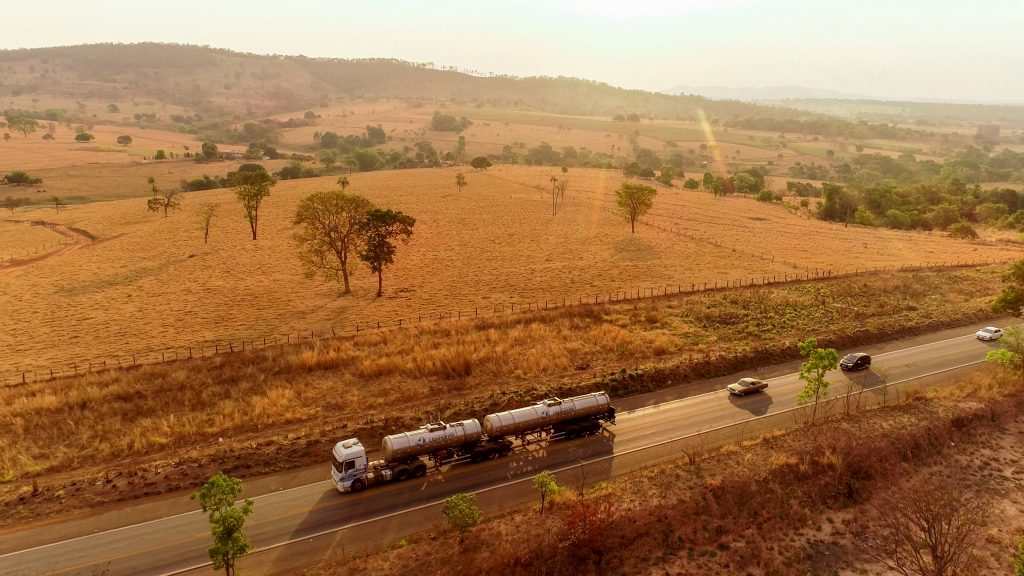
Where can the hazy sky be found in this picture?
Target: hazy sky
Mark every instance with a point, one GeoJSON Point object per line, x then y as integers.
{"type": "Point", "coordinates": [892, 48]}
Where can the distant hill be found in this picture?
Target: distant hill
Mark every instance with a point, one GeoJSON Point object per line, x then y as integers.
{"type": "Point", "coordinates": [759, 94]}
{"type": "Point", "coordinates": [222, 82]}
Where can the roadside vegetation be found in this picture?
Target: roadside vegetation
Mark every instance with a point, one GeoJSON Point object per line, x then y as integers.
{"type": "Point", "coordinates": [266, 410]}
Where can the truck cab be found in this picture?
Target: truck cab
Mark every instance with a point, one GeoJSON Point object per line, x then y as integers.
{"type": "Point", "coordinates": [349, 466]}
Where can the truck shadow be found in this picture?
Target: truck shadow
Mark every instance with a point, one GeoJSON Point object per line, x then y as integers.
{"type": "Point", "coordinates": [339, 525]}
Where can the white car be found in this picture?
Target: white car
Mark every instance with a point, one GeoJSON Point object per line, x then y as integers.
{"type": "Point", "coordinates": [989, 333]}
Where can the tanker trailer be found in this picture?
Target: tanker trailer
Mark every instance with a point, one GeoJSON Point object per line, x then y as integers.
{"type": "Point", "coordinates": [403, 453]}
{"type": "Point", "coordinates": [571, 417]}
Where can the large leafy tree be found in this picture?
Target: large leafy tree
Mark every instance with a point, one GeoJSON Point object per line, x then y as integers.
{"type": "Point", "coordinates": [634, 200]}
{"type": "Point", "coordinates": [217, 499]}
{"type": "Point", "coordinates": [329, 235]}
{"type": "Point", "coordinates": [251, 188]}
{"type": "Point", "coordinates": [820, 361]}
{"type": "Point", "coordinates": [378, 229]}
{"type": "Point", "coordinates": [23, 124]}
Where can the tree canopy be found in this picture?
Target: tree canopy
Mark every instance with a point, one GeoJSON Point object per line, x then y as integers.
{"type": "Point", "coordinates": [634, 200]}
{"type": "Point", "coordinates": [378, 229]}
{"type": "Point", "coordinates": [330, 233]}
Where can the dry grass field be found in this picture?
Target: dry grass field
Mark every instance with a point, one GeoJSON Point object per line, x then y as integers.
{"type": "Point", "coordinates": [19, 238]}
{"type": "Point", "coordinates": [150, 283]}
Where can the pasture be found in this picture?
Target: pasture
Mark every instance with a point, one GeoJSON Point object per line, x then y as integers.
{"type": "Point", "coordinates": [149, 283]}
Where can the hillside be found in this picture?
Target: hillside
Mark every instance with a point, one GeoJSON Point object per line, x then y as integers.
{"type": "Point", "coordinates": [214, 81]}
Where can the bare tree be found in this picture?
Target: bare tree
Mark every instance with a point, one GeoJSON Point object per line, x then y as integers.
{"type": "Point", "coordinates": [928, 529]}
{"type": "Point", "coordinates": [460, 180]}
{"type": "Point", "coordinates": [206, 214]}
{"type": "Point", "coordinates": [558, 187]}
{"type": "Point", "coordinates": [58, 202]}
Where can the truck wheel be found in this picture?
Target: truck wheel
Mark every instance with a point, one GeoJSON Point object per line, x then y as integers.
{"type": "Point", "coordinates": [401, 473]}
{"type": "Point", "coordinates": [419, 470]}
{"type": "Point", "coordinates": [358, 485]}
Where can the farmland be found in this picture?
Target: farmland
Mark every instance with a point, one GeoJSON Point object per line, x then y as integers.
{"type": "Point", "coordinates": [149, 283]}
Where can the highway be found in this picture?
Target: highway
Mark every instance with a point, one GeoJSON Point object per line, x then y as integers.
{"type": "Point", "coordinates": [308, 517]}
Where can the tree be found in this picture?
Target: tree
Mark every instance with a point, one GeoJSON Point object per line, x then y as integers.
{"type": "Point", "coordinates": [209, 150]}
{"type": "Point", "coordinates": [460, 180]}
{"type": "Point", "coordinates": [113, 108]}
{"type": "Point", "coordinates": [1011, 300]}
{"type": "Point", "coordinates": [13, 204]}
{"type": "Point", "coordinates": [19, 177]}
{"type": "Point", "coordinates": [962, 230]}
{"type": "Point", "coordinates": [7, 136]}
{"type": "Point", "coordinates": [206, 214]}
{"type": "Point", "coordinates": [160, 155]}
{"type": "Point", "coordinates": [250, 190]}
{"type": "Point", "coordinates": [331, 224]}
{"type": "Point", "coordinates": [544, 483]}
{"type": "Point", "coordinates": [820, 361]}
{"type": "Point", "coordinates": [327, 158]}
{"type": "Point", "coordinates": [343, 182]}
{"type": "Point", "coordinates": [929, 530]}
{"type": "Point", "coordinates": [58, 202]}
{"type": "Point", "coordinates": [587, 522]}
{"type": "Point", "coordinates": [691, 184]}
{"type": "Point", "coordinates": [462, 512]}
{"type": "Point", "coordinates": [377, 230]}
{"type": "Point", "coordinates": [164, 200]}
{"type": "Point", "coordinates": [23, 124]}
{"type": "Point", "coordinates": [480, 163]}
{"type": "Point", "coordinates": [124, 140]}
{"type": "Point", "coordinates": [634, 200]}
{"type": "Point", "coordinates": [708, 180]}
{"type": "Point", "coordinates": [217, 500]}
{"type": "Point", "coordinates": [84, 137]}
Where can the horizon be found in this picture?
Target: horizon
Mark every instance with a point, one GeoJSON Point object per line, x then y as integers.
{"type": "Point", "coordinates": [917, 52]}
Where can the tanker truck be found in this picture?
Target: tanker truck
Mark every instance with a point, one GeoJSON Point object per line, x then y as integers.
{"type": "Point", "coordinates": [409, 454]}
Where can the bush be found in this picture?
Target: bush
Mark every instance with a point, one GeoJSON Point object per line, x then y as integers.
{"type": "Point", "coordinates": [962, 230]}
{"type": "Point", "coordinates": [84, 137]}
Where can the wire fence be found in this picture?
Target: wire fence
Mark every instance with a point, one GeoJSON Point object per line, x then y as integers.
{"type": "Point", "coordinates": [42, 249]}
{"type": "Point", "coordinates": [357, 328]}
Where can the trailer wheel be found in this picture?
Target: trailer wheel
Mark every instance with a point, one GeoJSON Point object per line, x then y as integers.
{"type": "Point", "coordinates": [358, 485]}
{"type": "Point", "coordinates": [419, 469]}
{"type": "Point", "coordinates": [401, 473]}
{"type": "Point", "coordinates": [476, 457]}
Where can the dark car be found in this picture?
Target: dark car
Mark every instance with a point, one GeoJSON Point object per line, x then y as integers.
{"type": "Point", "coordinates": [855, 361]}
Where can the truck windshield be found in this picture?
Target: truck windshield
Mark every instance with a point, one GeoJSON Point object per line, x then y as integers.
{"type": "Point", "coordinates": [337, 464]}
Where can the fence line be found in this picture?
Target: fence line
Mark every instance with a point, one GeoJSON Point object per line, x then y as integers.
{"type": "Point", "coordinates": [9, 256]}
{"type": "Point", "coordinates": [362, 327]}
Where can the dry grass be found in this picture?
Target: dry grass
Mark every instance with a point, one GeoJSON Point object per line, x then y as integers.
{"type": "Point", "coordinates": [19, 238]}
{"type": "Point", "coordinates": [293, 401]}
{"type": "Point", "coordinates": [791, 504]}
{"type": "Point", "coordinates": [151, 284]}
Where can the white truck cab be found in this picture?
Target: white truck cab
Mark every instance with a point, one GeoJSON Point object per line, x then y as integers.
{"type": "Point", "coordinates": [349, 465]}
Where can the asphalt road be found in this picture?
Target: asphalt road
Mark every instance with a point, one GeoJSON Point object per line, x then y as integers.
{"type": "Point", "coordinates": [308, 517]}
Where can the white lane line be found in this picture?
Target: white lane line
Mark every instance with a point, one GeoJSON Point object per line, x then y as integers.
{"type": "Point", "coordinates": [624, 413]}
{"type": "Point", "coordinates": [555, 471]}
{"type": "Point", "coordinates": [162, 519]}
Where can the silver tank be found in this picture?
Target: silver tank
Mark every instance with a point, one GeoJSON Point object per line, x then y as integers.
{"type": "Point", "coordinates": [545, 413]}
{"type": "Point", "coordinates": [430, 438]}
